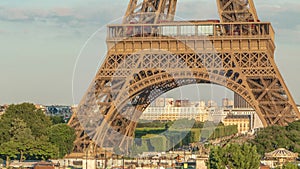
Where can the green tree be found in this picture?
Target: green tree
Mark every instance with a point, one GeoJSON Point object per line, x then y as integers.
{"type": "Point", "coordinates": [289, 166]}
{"type": "Point", "coordinates": [25, 134]}
{"type": "Point", "coordinates": [42, 149]}
{"type": "Point", "coordinates": [21, 136]}
{"type": "Point", "coordinates": [9, 151]}
{"type": "Point", "coordinates": [26, 147]}
{"type": "Point", "coordinates": [271, 138]}
{"type": "Point", "coordinates": [63, 137]}
{"type": "Point", "coordinates": [242, 156]}
{"type": "Point", "coordinates": [57, 119]}
{"type": "Point", "coordinates": [234, 156]}
{"type": "Point", "coordinates": [20, 141]}
{"type": "Point", "coordinates": [216, 159]}
{"type": "Point", "coordinates": [5, 125]}
{"type": "Point", "coordinates": [294, 126]}
{"type": "Point", "coordinates": [34, 118]}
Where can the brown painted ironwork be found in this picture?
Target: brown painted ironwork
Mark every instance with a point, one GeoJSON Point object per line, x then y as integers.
{"type": "Point", "coordinates": [147, 57]}
{"type": "Point", "coordinates": [150, 11]}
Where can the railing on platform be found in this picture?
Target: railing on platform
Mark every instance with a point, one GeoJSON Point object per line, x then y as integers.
{"type": "Point", "coordinates": [187, 29]}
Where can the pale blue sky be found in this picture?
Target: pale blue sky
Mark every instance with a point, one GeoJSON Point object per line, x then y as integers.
{"type": "Point", "coordinates": [40, 41]}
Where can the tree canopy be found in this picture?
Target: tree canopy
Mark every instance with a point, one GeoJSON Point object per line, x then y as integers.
{"type": "Point", "coordinates": [57, 119]}
{"type": "Point", "coordinates": [63, 137]}
{"type": "Point", "coordinates": [34, 118]}
{"type": "Point", "coordinates": [234, 156]}
{"type": "Point", "coordinates": [289, 166]}
{"type": "Point", "coordinates": [270, 138]}
{"type": "Point", "coordinates": [29, 134]}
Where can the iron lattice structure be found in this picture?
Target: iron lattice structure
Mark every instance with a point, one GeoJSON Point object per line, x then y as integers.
{"type": "Point", "coordinates": [150, 11]}
{"type": "Point", "coordinates": [150, 54]}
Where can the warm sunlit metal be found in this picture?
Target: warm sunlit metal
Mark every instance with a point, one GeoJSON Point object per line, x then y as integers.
{"type": "Point", "coordinates": [150, 11]}
{"type": "Point", "coordinates": [237, 11]}
{"type": "Point", "coordinates": [148, 58]}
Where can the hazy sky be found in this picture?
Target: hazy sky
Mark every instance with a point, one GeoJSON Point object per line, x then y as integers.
{"type": "Point", "coordinates": [40, 42]}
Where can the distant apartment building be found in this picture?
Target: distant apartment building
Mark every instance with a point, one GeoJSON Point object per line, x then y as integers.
{"type": "Point", "coordinates": [168, 109]}
{"type": "Point", "coordinates": [236, 112]}
{"type": "Point", "coordinates": [255, 121]}
{"type": "Point", "coordinates": [243, 122]}
{"type": "Point", "coordinates": [174, 113]}
{"type": "Point", "coordinates": [227, 103]}
{"type": "Point", "coordinates": [55, 110]}
{"type": "Point", "coordinates": [60, 110]}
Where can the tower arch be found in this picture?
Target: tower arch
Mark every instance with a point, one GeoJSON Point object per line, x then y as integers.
{"type": "Point", "coordinates": [146, 59]}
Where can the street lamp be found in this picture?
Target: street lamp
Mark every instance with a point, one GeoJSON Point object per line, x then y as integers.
{"type": "Point", "coordinates": [184, 154]}
{"type": "Point", "coordinates": [105, 160]}
{"type": "Point", "coordinates": [86, 156]}
{"type": "Point", "coordinates": [123, 162]}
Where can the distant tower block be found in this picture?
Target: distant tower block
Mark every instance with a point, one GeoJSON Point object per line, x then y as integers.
{"type": "Point", "coordinates": [240, 102]}
{"type": "Point", "coordinates": [225, 102]}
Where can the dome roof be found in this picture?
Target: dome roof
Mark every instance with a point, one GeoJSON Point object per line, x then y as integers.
{"type": "Point", "coordinates": [282, 153]}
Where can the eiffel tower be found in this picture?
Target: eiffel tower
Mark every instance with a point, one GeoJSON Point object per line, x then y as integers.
{"type": "Point", "coordinates": [150, 53]}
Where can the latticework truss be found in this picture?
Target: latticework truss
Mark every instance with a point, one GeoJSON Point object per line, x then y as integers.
{"type": "Point", "coordinates": [150, 11]}
{"type": "Point", "coordinates": [237, 11]}
{"type": "Point", "coordinates": [140, 65]}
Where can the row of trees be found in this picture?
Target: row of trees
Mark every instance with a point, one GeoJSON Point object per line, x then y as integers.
{"type": "Point", "coordinates": [166, 124]}
{"type": "Point", "coordinates": [270, 138]}
{"type": "Point", "coordinates": [152, 139]}
{"type": "Point", "coordinates": [190, 135]}
{"type": "Point", "coordinates": [27, 133]}
{"type": "Point", "coordinates": [219, 132]}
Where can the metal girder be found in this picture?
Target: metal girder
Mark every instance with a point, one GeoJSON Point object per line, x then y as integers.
{"type": "Point", "coordinates": [112, 114]}
{"type": "Point", "coordinates": [237, 11]}
{"type": "Point", "coordinates": [150, 11]}
{"type": "Point", "coordinates": [141, 65]}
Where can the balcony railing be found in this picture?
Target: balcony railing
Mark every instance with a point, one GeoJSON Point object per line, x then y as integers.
{"type": "Point", "coordinates": [187, 29]}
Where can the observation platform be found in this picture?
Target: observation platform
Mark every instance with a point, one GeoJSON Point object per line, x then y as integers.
{"type": "Point", "coordinates": [193, 35]}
